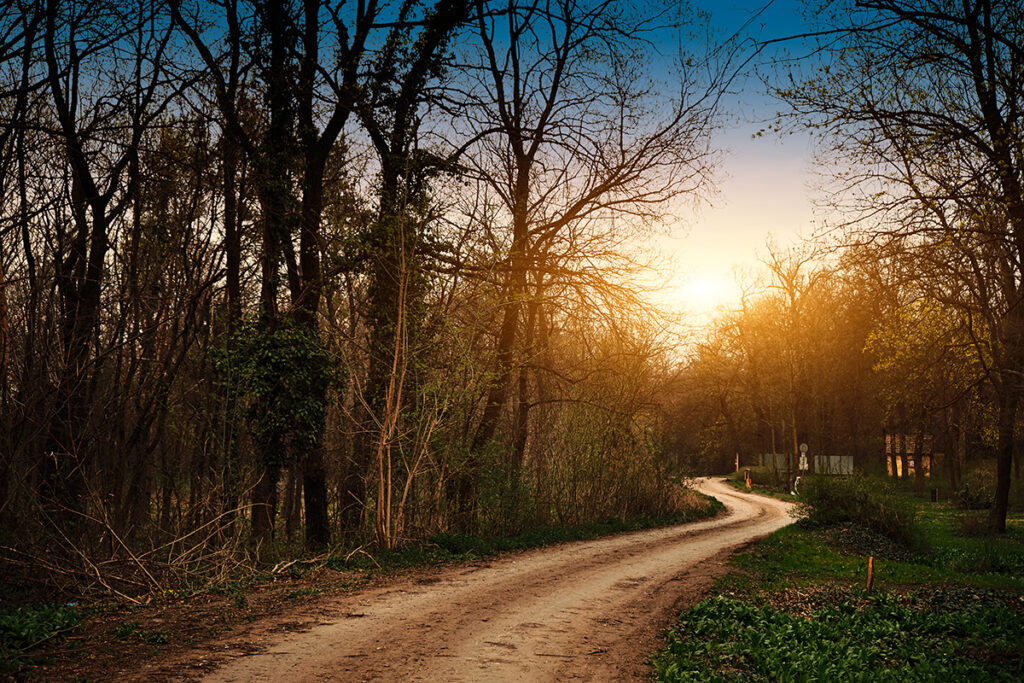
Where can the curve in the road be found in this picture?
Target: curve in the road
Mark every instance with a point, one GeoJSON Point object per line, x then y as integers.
{"type": "Point", "coordinates": [581, 611]}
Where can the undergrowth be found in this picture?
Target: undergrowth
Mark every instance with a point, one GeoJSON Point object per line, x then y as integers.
{"type": "Point", "coordinates": [25, 628]}
{"type": "Point", "coordinates": [450, 548]}
{"type": "Point", "coordinates": [863, 501]}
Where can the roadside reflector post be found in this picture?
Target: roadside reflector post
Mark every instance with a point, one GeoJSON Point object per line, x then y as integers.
{"type": "Point", "coordinates": [871, 572]}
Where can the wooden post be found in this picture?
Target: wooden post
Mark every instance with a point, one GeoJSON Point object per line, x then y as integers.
{"type": "Point", "coordinates": [871, 572]}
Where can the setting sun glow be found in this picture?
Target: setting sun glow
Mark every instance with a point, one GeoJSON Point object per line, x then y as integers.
{"type": "Point", "coordinates": [702, 293]}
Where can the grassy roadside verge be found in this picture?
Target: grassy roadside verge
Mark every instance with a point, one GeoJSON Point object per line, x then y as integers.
{"type": "Point", "coordinates": [75, 641]}
{"type": "Point", "coordinates": [444, 549]}
{"type": "Point", "coordinates": [945, 606]}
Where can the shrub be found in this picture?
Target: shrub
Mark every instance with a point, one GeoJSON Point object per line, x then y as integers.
{"type": "Point", "coordinates": [766, 477]}
{"type": "Point", "coordinates": [974, 498]}
{"type": "Point", "coordinates": [973, 524]}
{"type": "Point", "coordinates": [870, 503]}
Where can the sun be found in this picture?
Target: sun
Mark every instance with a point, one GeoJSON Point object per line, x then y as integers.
{"type": "Point", "coordinates": [702, 293]}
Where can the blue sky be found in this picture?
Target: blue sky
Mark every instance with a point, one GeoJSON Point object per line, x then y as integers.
{"type": "Point", "coordinates": [764, 184]}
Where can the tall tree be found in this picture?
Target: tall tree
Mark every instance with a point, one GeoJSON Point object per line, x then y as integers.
{"type": "Point", "coordinates": [399, 84]}
{"type": "Point", "coordinates": [573, 137]}
{"type": "Point", "coordinates": [79, 45]}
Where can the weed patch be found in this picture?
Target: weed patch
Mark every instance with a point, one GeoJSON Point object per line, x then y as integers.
{"type": "Point", "coordinates": [303, 593]}
{"type": "Point", "coordinates": [133, 631]}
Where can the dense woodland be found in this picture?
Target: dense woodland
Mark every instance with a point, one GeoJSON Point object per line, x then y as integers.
{"type": "Point", "coordinates": [327, 273]}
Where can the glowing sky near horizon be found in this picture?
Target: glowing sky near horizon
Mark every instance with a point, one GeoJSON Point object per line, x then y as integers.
{"type": "Point", "coordinates": [764, 185]}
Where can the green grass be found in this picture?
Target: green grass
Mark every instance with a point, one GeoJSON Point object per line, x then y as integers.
{"type": "Point", "coordinates": [797, 555]}
{"type": "Point", "coordinates": [945, 606]}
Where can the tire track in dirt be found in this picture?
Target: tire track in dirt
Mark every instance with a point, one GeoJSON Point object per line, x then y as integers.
{"type": "Point", "coordinates": [582, 611]}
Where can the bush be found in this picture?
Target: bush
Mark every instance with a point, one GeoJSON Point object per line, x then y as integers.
{"type": "Point", "coordinates": [870, 503]}
{"type": "Point", "coordinates": [971, 523]}
{"type": "Point", "coordinates": [974, 498]}
{"type": "Point", "coordinates": [767, 478]}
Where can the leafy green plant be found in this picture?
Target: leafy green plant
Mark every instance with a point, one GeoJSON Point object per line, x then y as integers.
{"type": "Point", "coordinates": [24, 628]}
{"type": "Point", "coordinates": [155, 637]}
{"type": "Point", "coordinates": [132, 630]}
{"type": "Point", "coordinates": [723, 639]}
{"type": "Point", "coordinates": [126, 629]}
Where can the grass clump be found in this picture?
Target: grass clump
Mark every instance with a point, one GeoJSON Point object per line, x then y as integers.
{"type": "Point", "coordinates": [856, 500]}
{"type": "Point", "coordinates": [727, 639]}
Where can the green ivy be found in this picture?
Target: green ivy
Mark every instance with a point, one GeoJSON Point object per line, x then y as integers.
{"type": "Point", "coordinates": [281, 373]}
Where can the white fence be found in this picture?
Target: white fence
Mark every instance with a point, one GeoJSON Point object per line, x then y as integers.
{"type": "Point", "coordinates": [833, 464]}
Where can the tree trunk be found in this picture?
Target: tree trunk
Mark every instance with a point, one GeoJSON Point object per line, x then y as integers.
{"type": "Point", "coordinates": [919, 464]}
{"type": "Point", "coordinates": [952, 455]}
{"type": "Point", "coordinates": [264, 504]}
{"type": "Point", "coordinates": [314, 489]}
{"type": "Point", "coordinates": [1007, 420]}
{"type": "Point", "coordinates": [521, 425]}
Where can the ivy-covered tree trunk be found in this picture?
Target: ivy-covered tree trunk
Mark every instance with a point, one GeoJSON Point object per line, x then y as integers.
{"type": "Point", "coordinates": [274, 160]}
{"type": "Point", "coordinates": [390, 115]}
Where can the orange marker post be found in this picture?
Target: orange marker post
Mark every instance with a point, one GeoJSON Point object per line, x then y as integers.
{"type": "Point", "coordinates": [871, 572]}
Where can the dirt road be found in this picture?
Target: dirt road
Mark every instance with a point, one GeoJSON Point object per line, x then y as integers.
{"type": "Point", "coordinates": [583, 611]}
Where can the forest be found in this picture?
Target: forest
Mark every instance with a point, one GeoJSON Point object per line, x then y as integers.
{"type": "Point", "coordinates": [312, 276]}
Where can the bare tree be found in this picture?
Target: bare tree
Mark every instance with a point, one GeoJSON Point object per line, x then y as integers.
{"type": "Point", "coordinates": [572, 140]}
{"type": "Point", "coordinates": [126, 45]}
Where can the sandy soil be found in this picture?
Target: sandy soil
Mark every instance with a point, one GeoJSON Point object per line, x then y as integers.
{"type": "Point", "coordinates": [588, 611]}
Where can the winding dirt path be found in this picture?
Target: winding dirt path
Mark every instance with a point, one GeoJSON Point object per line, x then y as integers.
{"type": "Point", "coordinates": [587, 611]}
